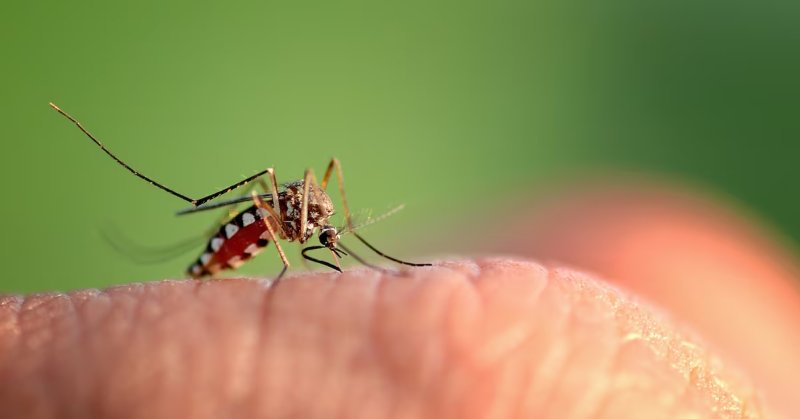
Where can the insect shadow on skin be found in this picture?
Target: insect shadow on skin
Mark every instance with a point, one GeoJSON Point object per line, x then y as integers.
{"type": "Point", "coordinates": [294, 213]}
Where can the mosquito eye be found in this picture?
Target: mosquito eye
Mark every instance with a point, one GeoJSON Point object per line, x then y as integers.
{"type": "Point", "coordinates": [324, 238]}
{"type": "Point", "coordinates": [328, 237]}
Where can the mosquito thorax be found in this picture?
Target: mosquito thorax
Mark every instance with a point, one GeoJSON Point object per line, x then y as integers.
{"type": "Point", "coordinates": [320, 209]}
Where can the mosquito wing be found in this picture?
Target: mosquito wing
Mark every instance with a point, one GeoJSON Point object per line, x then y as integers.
{"type": "Point", "coordinates": [147, 254]}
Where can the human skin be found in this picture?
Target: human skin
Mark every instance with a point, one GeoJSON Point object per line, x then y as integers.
{"type": "Point", "coordinates": [713, 267]}
{"type": "Point", "coordinates": [495, 337]}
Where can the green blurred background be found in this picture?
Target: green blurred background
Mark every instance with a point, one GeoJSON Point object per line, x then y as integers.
{"type": "Point", "coordinates": [425, 103]}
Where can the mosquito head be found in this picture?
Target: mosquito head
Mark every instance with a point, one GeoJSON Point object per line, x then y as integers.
{"type": "Point", "coordinates": [328, 236]}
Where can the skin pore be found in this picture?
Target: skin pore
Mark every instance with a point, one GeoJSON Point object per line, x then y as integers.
{"type": "Point", "coordinates": [467, 338]}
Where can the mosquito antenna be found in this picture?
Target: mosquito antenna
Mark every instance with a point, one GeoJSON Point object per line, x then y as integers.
{"type": "Point", "coordinates": [321, 262]}
{"type": "Point", "coordinates": [358, 236]}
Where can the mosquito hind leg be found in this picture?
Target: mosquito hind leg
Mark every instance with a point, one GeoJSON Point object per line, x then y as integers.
{"type": "Point", "coordinates": [195, 202]}
{"type": "Point", "coordinates": [231, 212]}
{"type": "Point", "coordinates": [259, 203]}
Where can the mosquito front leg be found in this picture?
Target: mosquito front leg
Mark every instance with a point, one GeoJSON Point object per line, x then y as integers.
{"type": "Point", "coordinates": [303, 259]}
{"type": "Point", "coordinates": [336, 165]}
{"type": "Point", "coordinates": [261, 205]}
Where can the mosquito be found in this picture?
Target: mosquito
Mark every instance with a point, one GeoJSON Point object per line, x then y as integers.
{"type": "Point", "coordinates": [294, 213]}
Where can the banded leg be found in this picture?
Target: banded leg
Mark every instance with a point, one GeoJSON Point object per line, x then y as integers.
{"type": "Point", "coordinates": [195, 202]}
{"type": "Point", "coordinates": [275, 211]}
{"type": "Point", "coordinates": [269, 208]}
{"type": "Point", "coordinates": [261, 205]}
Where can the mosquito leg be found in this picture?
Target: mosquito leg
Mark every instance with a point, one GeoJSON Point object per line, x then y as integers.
{"type": "Point", "coordinates": [271, 187]}
{"type": "Point", "coordinates": [194, 202]}
{"type": "Point", "coordinates": [362, 240]}
{"type": "Point", "coordinates": [307, 178]}
{"type": "Point", "coordinates": [310, 180]}
{"type": "Point", "coordinates": [362, 261]}
{"type": "Point", "coordinates": [275, 211]}
{"type": "Point", "coordinates": [303, 260]}
{"type": "Point", "coordinates": [230, 213]}
{"type": "Point", "coordinates": [261, 205]}
{"type": "Point", "coordinates": [336, 165]}
{"type": "Point", "coordinates": [203, 200]}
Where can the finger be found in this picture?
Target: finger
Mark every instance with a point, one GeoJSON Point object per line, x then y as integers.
{"type": "Point", "coordinates": [493, 338]}
{"type": "Point", "coordinates": [707, 265]}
